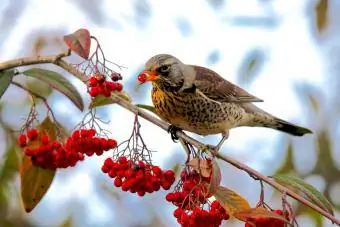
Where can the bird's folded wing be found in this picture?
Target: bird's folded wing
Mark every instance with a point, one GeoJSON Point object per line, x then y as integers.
{"type": "Point", "coordinates": [217, 88]}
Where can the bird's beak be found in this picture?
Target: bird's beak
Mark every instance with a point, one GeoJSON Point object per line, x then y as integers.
{"type": "Point", "coordinates": [147, 76]}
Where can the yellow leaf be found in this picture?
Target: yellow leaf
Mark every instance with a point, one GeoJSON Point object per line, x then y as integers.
{"type": "Point", "coordinates": [230, 200]}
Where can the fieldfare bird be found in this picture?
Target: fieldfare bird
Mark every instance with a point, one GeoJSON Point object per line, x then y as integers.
{"type": "Point", "coordinates": [199, 100]}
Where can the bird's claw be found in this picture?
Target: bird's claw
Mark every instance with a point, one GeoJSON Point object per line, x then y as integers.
{"type": "Point", "coordinates": [211, 148]}
{"type": "Point", "coordinates": [172, 130]}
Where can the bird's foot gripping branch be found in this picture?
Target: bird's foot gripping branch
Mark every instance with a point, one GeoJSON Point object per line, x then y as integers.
{"type": "Point", "coordinates": [198, 197]}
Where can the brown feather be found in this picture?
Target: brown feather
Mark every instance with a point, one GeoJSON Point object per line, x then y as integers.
{"type": "Point", "coordinates": [217, 88]}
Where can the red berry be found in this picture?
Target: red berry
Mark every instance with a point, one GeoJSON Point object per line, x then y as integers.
{"type": "Point", "coordinates": [112, 173]}
{"type": "Point", "coordinates": [156, 170]}
{"type": "Point", "coordinates": [119, 87]}
{"type": "Point", "coordinates": [45, 139]}
{"type": "Point", "coordinates": [122, 160]}
{"type": "Point", "coordinates": [118, 182]}
{"type": "Point", "coordinates": [93, 82]}
{"type": "Point", "coordinates": [32, 134]}
{"type": "Point", "coordinates": [22, 140]}
{"type": "Point", "coordinates": [142, 78]}
{"type": "Point", "coordinates": [141, 193]}
{"type": "Point", "coordinates": [108, 162]}
{"type": "Point", "coordinates": [170, 197]}
{"type": "Point", "coordinates": [94, 91]}
{"type": "Point", "coordinates": [178, 212]}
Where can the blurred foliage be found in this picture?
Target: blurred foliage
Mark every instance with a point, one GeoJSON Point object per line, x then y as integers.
{"type": "Point", "coordinates": [321, 13]}
{"type": "Point", "coordinates": [250, 67]}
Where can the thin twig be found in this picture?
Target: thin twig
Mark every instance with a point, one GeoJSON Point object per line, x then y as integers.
{"type": "Point", "coordinates": [123, 103]}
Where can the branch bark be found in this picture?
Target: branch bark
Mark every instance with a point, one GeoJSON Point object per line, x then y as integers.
{"type": "Point", "coordinates": [57, 60]}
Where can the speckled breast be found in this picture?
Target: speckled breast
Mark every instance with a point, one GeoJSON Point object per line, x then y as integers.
{"type": "Point", "coordinates": [193, 112]}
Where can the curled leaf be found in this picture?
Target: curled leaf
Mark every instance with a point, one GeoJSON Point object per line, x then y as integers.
{"type": "Point", "coordinates": [79, 42]}
{"type": "Point", "coordinates": [215, 179]}
{"type": "Point", "coordinates": [5, 80]}
{"type": "Point", "coordinates": [202, 166]}
{"type": "Point", "coordinates": [304, 189]}
{"type": "Point", "coordinates": [58, 82]}
{"type": "Point", "coordinates": [232, 202]}
{"type": "Point", "coordinates": [258, 212]}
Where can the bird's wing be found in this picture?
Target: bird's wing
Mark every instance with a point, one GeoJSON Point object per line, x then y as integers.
{"type": "Point", "coordinates": [217, 88]}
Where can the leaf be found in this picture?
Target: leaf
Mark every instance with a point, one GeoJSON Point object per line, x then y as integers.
{"type": "Point", "coordinates": [321, 11]}
{"type": "Point", "coordinates": [35, 181]}
{"type": "Point", "coordinates": [101, 100]}
{"type": "Point", "coordinates": [124, 95]}
{"type": "Point", "coordinates": [230, 200]}
{"type": "Point", "coordinates": [146, 107]}
{"type": "Point", "coordinates": [251, 66]}
{"type": "Point", "coordinates": [258, 212]}
{"type": "Point", "coordinates": [215, 179]}
{"type": "Point", "coordinates": [58, 82]}
{"type": "Point", "coordinates": [304, 189]}
{"type": "Point", "coordinates": [202, 166]}
{"type": "Point", "coordinates": [5, 80]}
{"type": "Point", "coordinates": [79, 42]}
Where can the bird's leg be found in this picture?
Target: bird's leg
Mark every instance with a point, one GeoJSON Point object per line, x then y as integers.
{"type": "Point", "coordinates": [172, 130]}
{"type": "Point", "coordinates": [225, 136]}
{"type": "Point", "coordinates": [216, 148]}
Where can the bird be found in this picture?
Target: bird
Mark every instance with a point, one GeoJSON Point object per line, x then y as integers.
{"type": "Point", "coordinates": [197, 99]}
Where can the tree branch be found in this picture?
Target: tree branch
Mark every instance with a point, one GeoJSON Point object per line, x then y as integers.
{"type": "Point", "coordinates": [123, 103]}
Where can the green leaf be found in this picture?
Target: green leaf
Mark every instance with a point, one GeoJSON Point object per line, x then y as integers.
{"type": "Point", "coordinates": [101, 100]}
{"type": "Point", "coordinates": [304, 189]}
{"type": "Point", "coordinates": [5, 80]}
{"type": "Point", "coordinates": [59, 83]}
{"type": "Point", "coordinates": [230, 200]}
{"type": "Point", "coordinates": [35, 181]}
{"type": "Point", "coordinates": [146, 107]}
{"type": "Point", "coordinates": [79, 42]}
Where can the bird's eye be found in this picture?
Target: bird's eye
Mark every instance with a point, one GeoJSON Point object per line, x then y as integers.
{"type": "Point", "coordinates": [164, 69]}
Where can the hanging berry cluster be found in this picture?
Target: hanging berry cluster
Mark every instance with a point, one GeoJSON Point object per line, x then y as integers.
{"type": "Point", "coordinates": [191, 198]}
{"type": "Point", "coordinates": [51, 155]}
{"type": "Point", "coordinates": [137, 177]}
{"type": "Point", "coordinates": [99, 85]}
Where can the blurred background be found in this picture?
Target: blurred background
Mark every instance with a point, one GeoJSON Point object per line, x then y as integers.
{"type": "Point", "coordinates": [285, 52]}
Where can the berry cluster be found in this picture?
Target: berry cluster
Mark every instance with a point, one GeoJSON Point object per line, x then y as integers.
{"type": "Point", "coordinates": [99, 85]}
{"type": "Point", "coordinates": [137, 177]}
{"type": "Point", "coordinates": [269, 222]}
{"type": "Point", "coordinates": [199, 217]}
{"type": "Point", "coordinates": [190, 198]}
{"type": "Point", "coordinates": [52, 154]}
{"type": "Point", "coordinates": [192, 192]}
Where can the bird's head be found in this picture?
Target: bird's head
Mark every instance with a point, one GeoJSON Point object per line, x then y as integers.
{"type": "Point", "coordinates": [165, 71]}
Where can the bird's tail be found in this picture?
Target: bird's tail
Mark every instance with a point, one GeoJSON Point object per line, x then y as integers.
{"type": "Point", "coordinates": [260, 118]}
{"type": "Point", "coordinates": [290, 128]}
